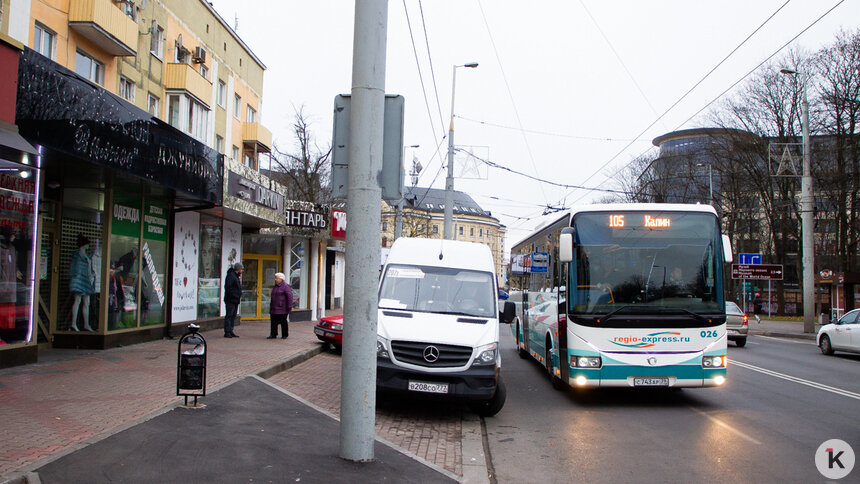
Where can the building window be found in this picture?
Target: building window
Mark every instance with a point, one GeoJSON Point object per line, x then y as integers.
{"type": "Point", "coordinates": [173, 110]}
{"type": "Point", "coordinates": [460, 230]}
{"type": "Point", "coordinates": [89, 68]}
{"type": "Point", "coordinates": [44, 41]}
{"type": "Point", "coordinates": [204, 71]}
{"type": "Point", "coordinates": [222, 93]}
{"type": "Point", "coordinates": [235, 154]}
{"type": "Point", "coordinates": [198, 119]}
{"type": "Point", "coordinates": [435, 229]}
{"type": "Point", "coordinates": [472, 231]}
{"type": "Point", "coordinates": [480, 233]}
{"type": "Point", "coordinates": [251, 115]}
{"type": "Point", "coordinates": [156, 42]}
{"type": "Point", "coordinates": [153, 104]}
{"type": "Point", "coordinates": [128, 9]}
{"type": "Point", "coordinates": [219, 144]}
{"type": "Point", "coordinates": [385, 226]}
{"type": "Point", "coordinates": [248, 160]}
{"type": "Point", "coordinates": [126, 88]}
{"type": "Point", "coordinates": [237, 106]}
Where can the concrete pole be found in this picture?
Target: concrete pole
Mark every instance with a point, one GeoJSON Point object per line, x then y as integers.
{"type": "Point", "coordinates": [398, 219]}
{"type": "Point", "coordinates": [358, 363]}
{"type": "Point", "coordinates": [806, 220]}
{"type": "Point", "coordinates": [448, 230]}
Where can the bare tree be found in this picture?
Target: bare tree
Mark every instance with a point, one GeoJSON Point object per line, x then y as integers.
{"type": "Point", "coordinates": [306, 172]}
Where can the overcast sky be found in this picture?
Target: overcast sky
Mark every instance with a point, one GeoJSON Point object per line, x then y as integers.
{"type": "Point", "coordinates": [564, 91]}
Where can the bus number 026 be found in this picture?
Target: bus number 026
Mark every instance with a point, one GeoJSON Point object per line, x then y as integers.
{"type": "Point", "coordinates": [708, 334]}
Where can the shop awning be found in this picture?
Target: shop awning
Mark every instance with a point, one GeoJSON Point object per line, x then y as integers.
{"type": "Point", "coordinates": [12, 145]}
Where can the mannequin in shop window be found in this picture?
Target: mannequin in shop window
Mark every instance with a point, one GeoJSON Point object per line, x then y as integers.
{"type": "Point", "coordinates": [9, 277]}
{"type": "Point", "coordinates": [116, 296]}
{"type": "Point", "coordinates": [82, 278]}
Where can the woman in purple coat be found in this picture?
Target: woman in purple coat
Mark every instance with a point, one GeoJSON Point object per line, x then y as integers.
{"type": "Point", "coordinates": [279, 307]}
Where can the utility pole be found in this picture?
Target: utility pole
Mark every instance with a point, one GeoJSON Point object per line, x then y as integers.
{"type": "Point", "coordinates": [806, 209]}
{"type": "Point", "coordinates": [358, 365]}
{"type": "Point", "coordinates": [398, 217]}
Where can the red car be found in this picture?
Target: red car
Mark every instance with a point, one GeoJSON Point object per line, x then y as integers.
{"type": "Point", "coordinates": [330, 330]}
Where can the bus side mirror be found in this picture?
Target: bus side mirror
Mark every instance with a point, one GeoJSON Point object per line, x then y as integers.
{"type": "Point", "coordinates": [565, 245]}
{"type": "Point", "coordinates": [508, 312]}
{"type": "Point", "coordinates": [727, 248]}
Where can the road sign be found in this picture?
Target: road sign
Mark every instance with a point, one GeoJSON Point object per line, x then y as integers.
{"type": "Point", "coordinates": [749, 259]}
{"type": "Point", "coordinates": [757, 271]}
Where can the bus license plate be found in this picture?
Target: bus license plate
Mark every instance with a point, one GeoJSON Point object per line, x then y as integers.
{"type": "Point", "coordinates": [420, 386]}
{"type": "Point", "coordinates": [654, 381]}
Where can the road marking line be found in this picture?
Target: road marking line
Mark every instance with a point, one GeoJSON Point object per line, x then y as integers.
{"type": "Point", "coordinates": [726, 426]}
{"type": "Point", "coordinates": [785, 339]}
{"type": "Point", "coordinates": [819, 386]}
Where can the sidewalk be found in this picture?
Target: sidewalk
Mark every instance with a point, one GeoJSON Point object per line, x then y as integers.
{"type": "Point", "coordinates": [780, 329]}
{"type": "Point", "coordinates": [76, 398]}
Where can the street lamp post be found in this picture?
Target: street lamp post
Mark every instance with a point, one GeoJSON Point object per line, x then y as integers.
{"type": "Point", "coordinates": [806, 210]}
{"type": "Point", "coordinates": [449, 180]}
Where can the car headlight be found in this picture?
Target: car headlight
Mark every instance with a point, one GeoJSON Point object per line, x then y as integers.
{"type": "Point", "coordinates": [486, 355]}
{"type": "Point", "coordinates": [585, 361]}
{"type": "Point", "coordinates": [715, 361]}
{"type": "Point", "coordinates": [382, 348]}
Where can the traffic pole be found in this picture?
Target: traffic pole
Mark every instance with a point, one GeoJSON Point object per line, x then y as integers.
{"type": "Point", "coordinates": [358, 364]}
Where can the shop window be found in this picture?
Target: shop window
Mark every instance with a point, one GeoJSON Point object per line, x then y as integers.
{"type": "Point", "coordinates": [154, 261]}
{"type": "Point", "coordinates": [89, 67]}
{"type": "Point", "coordinates": [209, 268]}
{"type": "Point", "coordinates": [79, 286]}
{"type": "Point", "coordinates": [44, 41]}
{"type": "Point", "coordinates": [17, 222]}
{"type": "Point", "coordinates": [124, 302]}
{"type": "Point", "coordinates": [299, 274]}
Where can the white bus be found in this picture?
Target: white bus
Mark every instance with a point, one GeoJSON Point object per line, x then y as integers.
{"type": "Point", "coordinates": [648, 308]}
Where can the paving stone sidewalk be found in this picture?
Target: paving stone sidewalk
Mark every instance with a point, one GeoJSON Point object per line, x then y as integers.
{"type": "Point", "coordinates": [52, 407]}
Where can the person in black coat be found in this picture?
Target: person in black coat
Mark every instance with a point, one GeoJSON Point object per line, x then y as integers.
{"type": "Point", "coordinates": [232, 297]}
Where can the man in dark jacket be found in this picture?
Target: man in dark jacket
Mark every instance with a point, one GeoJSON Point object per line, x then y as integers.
{"type": "Point", "coordinates": [280, 305]}
{"type": "Point", "coordinates": [232, 296]}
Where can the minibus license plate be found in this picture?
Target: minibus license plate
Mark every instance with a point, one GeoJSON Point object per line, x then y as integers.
{"type": "Point", "coordinates": [420, 386]}
{"type": "Point", "coordinates": [654, 381]}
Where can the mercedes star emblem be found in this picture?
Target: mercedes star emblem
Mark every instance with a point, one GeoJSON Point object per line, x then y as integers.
{"type": "Point", "coordinates": [431, 354]}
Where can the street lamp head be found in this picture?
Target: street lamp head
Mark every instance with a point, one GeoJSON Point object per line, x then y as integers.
{"type": "Point", "coordinates": [471, 65]}
{"type": "Point", "coordinates": [788, 71]}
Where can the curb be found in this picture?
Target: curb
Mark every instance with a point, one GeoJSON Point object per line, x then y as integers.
{"type": "Point", "coordinates": [777, 334]}
{"type": "Point", "coordinates": [290, 362]}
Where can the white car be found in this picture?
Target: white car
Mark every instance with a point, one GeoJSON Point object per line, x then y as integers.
{"type": "Point", "coordinates": [843, 335]}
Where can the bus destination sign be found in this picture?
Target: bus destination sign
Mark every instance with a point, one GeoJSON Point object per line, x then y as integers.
{"type": "Point", "coordinates": [648, 221]}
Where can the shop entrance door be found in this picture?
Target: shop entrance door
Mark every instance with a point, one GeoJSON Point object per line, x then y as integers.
{"type": "Point", "coordinates": [257, 282]}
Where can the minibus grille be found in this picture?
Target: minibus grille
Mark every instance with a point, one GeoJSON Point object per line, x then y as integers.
{"type": "Point", "coordinates": [414, 353]}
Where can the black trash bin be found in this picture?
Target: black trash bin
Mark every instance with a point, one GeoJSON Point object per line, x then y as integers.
{"type": "Point", "coordinates": [191, 365]}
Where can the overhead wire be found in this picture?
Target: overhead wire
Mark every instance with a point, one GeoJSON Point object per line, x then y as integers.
{"type": "Point", "coordinates": [546, 133]}
{"type": "Point", "coordinates": [683, 96]}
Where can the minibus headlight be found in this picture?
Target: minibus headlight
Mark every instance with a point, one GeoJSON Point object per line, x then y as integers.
{"type": "Point", "coordinates": [486, 355]}
{"type": "Point", "coordinates": [382, 348]}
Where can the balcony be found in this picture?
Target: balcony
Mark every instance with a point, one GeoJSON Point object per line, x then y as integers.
{"type": "Point", "coordinates": [256, 137]}
{"type": "Point", "coordinates": [183, 77]}
{"type": "Point", "coordinates": [105, 25]}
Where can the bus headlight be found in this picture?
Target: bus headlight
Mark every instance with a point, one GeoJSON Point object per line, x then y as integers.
{"type": "Point", "coordinates": [585, 361]}
{"type": "Point", "coordinates": [714, 361]}
{"type": "Point", "coordinates": [486, 355]}
{"type": "Point", "coordinates": [382, 348]}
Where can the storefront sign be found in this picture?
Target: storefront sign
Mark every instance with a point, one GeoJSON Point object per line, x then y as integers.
{"type": "Point", "coordinates": [249, 190]}
{"type": "Point", "coordinates": [302, 218]}
{"type": "Point", "coordinates": [153, 274]}
{"type": "Point", "coordinates": [338, 224]}
{"type": "Point", "coordinates": [126, 216]}
{"type": "Point", "coordinates": [155, 221]}
{"type": "Point", "coordinates": [62, 111]}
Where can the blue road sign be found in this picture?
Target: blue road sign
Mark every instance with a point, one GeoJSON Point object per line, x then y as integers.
{"type": "Point", "coordinates": [749, 258]}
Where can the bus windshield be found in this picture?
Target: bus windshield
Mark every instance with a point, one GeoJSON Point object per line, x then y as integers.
{"type": "Point", "coordinates": [646, 263]}
{"type": "Point", "coordinates": [438, 290]}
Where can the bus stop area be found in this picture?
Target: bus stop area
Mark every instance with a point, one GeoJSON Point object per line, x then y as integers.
{"type": "Point", "coordinates": [269, 414]}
